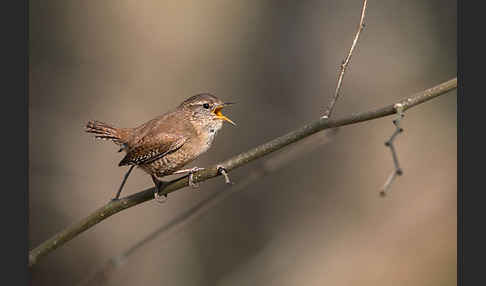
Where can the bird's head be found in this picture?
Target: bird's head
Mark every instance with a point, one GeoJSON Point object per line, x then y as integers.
{"type": "Point", "coordinates": [206, 109]}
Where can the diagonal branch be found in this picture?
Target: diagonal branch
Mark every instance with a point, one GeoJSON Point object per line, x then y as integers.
{"type": "Point", "coordinates": [231, 164]}
{"type": "Point", "coordinates": [345, 63]}
{"type": "Point", "coordinates": [274, 163]}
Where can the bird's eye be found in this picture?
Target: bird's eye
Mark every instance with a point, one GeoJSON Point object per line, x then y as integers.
{"type": "Point", "coordinates": [206, 105]}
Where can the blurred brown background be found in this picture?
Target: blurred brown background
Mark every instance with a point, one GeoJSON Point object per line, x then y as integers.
{"type": "Point", "coordinates": [318, 221]}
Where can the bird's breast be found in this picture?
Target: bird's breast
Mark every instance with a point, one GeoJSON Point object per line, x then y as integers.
{"type": "Point", "coordinates": [204, 141]}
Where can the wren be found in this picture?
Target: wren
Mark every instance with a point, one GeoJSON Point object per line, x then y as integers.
{"type": "Point", "coordinates": [165, 144]}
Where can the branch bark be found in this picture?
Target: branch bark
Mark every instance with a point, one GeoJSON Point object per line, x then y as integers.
{"type": "Point", "coordinates": [237, 161]}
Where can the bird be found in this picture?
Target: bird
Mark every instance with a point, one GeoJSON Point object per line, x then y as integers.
{"type": "Point", "coordinates": [164, 145]}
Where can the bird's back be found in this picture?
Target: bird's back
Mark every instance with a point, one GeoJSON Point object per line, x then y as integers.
{"type": "Point", "coordinates": [162, 145]}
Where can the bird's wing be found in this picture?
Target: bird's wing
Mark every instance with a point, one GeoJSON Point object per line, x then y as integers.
{"type": "Point", "coordinates": [151, 148]}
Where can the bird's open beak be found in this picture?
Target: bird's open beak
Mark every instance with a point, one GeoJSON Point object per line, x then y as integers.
{"type": "Point", "coordinates": [220, 115]}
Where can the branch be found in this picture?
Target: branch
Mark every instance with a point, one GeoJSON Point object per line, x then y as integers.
{"type": "Point", "coordinates": [101, 275]}
{"type": "Point", "coordinates": [231, 164]}
{"type": "Point", "coordinates": [345, 63]}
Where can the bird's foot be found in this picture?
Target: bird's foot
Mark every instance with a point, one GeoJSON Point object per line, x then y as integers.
{"type": "Point", "coordinates": [191, 172]}
{"type": "Point", "coordinates": [159, 186]}
{"type": "Point", "coordinates": [222, 170]}
{"type": "Point", "coordinates": [160, 198]}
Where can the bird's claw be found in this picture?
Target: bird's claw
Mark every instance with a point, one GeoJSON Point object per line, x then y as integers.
{"type": "Point", "coordinates": [222, 170]}
{"type": "Point", "coordinates": [160, 198]}
{"type": "Point", "coordinates": [191, 175]}
{"type": "Point", "coordinates": [159, 186]}
{"type": "Point", "coordinates": [192, 184]}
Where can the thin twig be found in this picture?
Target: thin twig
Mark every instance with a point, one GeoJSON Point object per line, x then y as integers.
{"type": "Point", "coordinates": [398, 171]}
{"type": "Point", "coordinates": [123, 182]}
{"type": "Point", "coordinates": [272, 164]}
{"type": "Point", "coordinates": [345, 63]}
{"type": "Point", "coordinates": [235, 162]}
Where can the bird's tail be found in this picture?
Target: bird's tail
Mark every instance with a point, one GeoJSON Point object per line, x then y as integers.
{"type": "Point", "coordinates": [107, 132]}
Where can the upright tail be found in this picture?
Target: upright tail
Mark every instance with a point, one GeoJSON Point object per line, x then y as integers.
{"type": "Point", "coordinates": [107, 132]}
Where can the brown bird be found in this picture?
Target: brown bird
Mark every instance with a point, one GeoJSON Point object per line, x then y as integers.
{"type": "Point", "coordinates": [165, 144]}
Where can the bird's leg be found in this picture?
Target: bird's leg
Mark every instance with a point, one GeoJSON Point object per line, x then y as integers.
{"type": "Point", "coordinates": [222, 171]}
{"type": "Point", "coordinates": [191, 175]}
{"type": "Point", "coordinates": [123, 183]}
{"type": "Point", "coordinates": [159, 186]}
